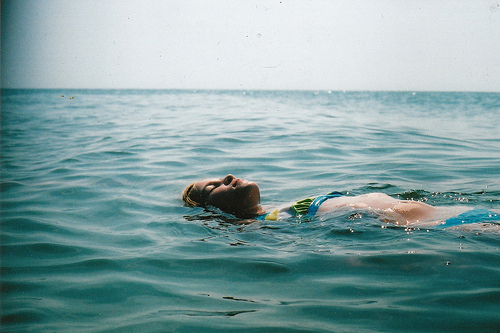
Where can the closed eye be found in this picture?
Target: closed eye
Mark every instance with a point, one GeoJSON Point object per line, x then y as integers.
{"type": "Point", "coordinates": [210, 188]}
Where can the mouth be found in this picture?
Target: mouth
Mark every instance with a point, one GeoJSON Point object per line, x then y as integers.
{"type": "Point", "coordinates": [236, 182]}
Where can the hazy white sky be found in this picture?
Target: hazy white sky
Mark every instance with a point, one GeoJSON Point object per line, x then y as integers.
{"type": "Point", "coordinates": [332, 45]}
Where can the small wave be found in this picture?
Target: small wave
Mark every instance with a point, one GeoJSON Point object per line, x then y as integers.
{"type": "Point", "coordinates": [206, 151]}
{"type": "Point", "coordinates": [118, 152]}
{"type": "Point", "coordinates": [42, 250]}
{"type": "Point", "coordinates": [204, 313]}
{"type": "Point", "coordinates": [29, 225]}
{"type": "Point", "coordinates": [23, 317]}
{"type": "Point", "coordinates": [10, 186]}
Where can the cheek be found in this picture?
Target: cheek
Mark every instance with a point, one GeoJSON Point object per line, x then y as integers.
{"type": "Point", "coordinates": [219, 199]}
{"type": "Point", "coordinates": [230, 200]}
{"type": "Point", "coordinates": [247, 196]}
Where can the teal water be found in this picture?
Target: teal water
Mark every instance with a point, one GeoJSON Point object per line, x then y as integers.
{"type": "Point", "coordinates": [95, 238]}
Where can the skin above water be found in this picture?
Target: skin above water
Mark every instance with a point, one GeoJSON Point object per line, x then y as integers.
{"type": "Point", "coordinates": [242, 197]}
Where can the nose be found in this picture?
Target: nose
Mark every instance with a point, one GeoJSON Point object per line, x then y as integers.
{"type": "Point", "coordinates": [228, 179]}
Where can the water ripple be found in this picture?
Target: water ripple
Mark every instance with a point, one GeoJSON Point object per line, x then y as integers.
{"type": "Point", "coordinates": [95, 237]}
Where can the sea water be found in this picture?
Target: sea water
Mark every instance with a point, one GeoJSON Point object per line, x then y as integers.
{"type": "Point", "coordinates": [95, 237]}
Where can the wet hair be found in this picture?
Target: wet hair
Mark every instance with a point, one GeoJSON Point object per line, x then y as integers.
{"type": "Point", "coordinates": [187, 198]}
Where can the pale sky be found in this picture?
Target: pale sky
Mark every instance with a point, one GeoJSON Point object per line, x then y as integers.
{"type": "Point", "coordinates": [406, 45]}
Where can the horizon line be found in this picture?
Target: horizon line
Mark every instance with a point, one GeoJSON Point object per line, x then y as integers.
{"type": "Point", "coordinates": [258, 90]}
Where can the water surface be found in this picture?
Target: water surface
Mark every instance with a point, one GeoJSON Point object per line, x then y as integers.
{"type": "Point", "coordinates": [95, 238]}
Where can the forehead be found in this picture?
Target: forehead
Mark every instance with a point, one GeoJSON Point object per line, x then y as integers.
{"type": "Point", "coordinates": [199, 186]}
{"type": "Point", "coordinates": [198, 192]}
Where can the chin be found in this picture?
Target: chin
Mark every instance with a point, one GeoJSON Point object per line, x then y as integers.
{"type": "Point", "coordinates": [254, 194]}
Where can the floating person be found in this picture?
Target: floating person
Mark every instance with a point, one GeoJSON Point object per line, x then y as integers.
{"type": "Point", "coordinates": [241, 198]}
